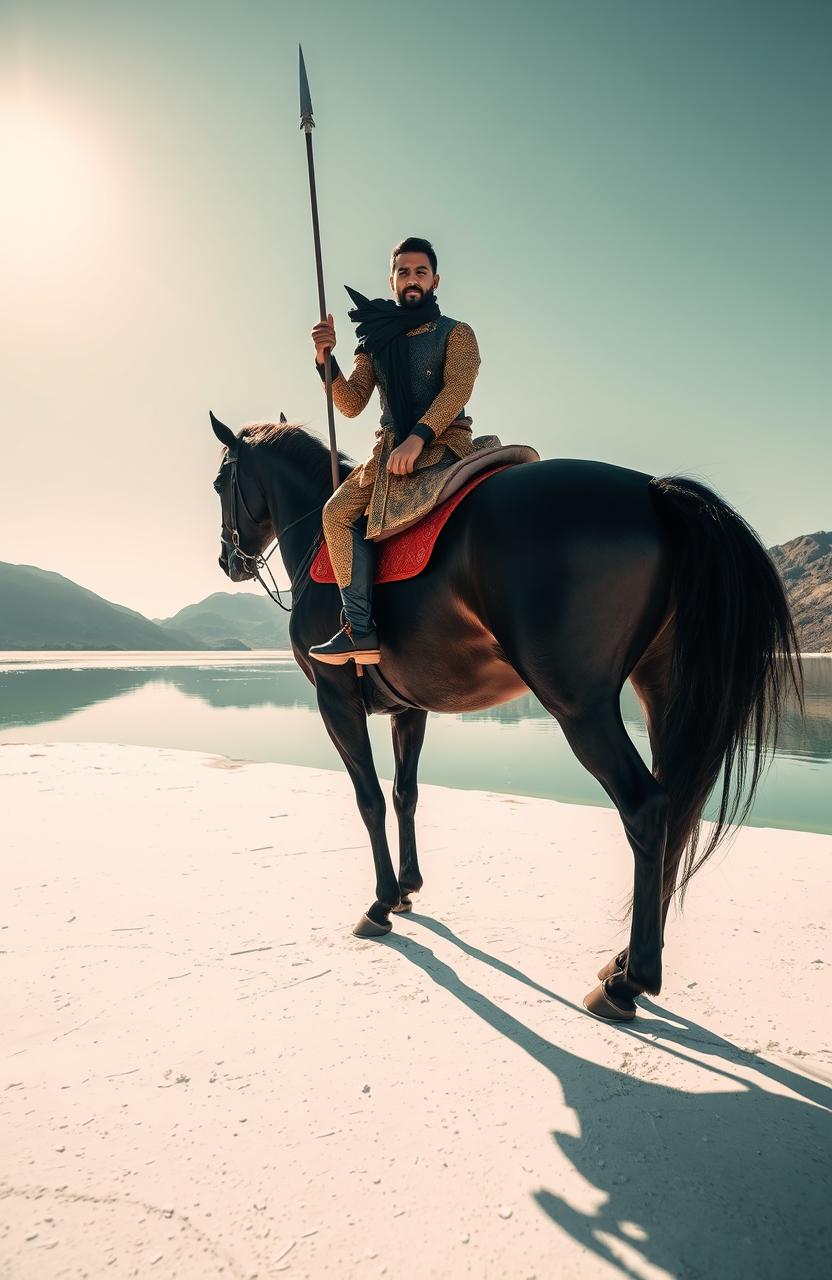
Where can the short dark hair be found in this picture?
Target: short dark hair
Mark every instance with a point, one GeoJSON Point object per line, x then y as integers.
{"type": "Point", "coordinates": [413, 244]}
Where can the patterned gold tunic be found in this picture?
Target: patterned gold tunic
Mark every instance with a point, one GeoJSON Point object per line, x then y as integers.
{"type": "Point", "coordinates": [392, 500]}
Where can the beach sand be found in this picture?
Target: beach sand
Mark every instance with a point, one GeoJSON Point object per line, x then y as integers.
{"type": "Point", "coordinates": [205, 1074]}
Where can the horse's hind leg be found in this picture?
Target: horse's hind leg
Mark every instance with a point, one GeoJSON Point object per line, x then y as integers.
{"type": "Point", "coordinates": [599, 740]}
{"type": "Point", "coordinates": [651, 681]}
{"type": "Point", "coordinates": [408, 735]}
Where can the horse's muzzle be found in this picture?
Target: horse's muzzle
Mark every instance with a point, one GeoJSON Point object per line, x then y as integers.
{"type": "Point", "coordinates": [235, 566]}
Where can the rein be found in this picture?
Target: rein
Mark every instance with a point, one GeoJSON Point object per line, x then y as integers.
{"type": "Point", "coordinates": [255, 563]}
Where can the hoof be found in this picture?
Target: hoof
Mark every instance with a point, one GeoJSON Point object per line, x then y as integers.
{"type": "Point", "coordinates": [600, 1004]}
{"type": "Point", "coordinates": [367, 928]}
{"type": "Point", "coordinates": [610, 968]}
{"type": "Point", "coordinates": [404, 905]}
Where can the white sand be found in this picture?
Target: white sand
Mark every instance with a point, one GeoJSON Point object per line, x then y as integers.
{"type": "Point", "coordinates": [436, 1104]}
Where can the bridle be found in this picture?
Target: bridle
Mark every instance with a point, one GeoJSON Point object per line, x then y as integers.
{"type": "Point", "coordinates": [255, 564]}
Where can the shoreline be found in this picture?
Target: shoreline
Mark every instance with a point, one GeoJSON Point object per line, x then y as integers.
{"type": "Point", "coordinates": [15, 659]}
{"type": "Point", "coordinates": [384, 771]}
{"type": "Point", "coordinates": [220, 760]}
{"type": "Point", "coordinates": [205, 1073]}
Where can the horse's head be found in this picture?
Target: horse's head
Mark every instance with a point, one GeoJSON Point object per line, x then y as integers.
{"type": "Point", "coordinates": [246, 524]}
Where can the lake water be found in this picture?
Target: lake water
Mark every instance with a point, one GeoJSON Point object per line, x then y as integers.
{"type": "Point", "coordinates": [258, 706]}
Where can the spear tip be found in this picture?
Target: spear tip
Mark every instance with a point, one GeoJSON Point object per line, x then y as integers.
{"type": "Point", "coordinates": [306, 120]}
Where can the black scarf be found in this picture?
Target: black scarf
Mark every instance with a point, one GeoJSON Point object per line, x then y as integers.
{"type": "Point", "coordinates": [381, 326]}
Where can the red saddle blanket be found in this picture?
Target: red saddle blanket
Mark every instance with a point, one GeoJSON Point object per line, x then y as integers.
{"type": "Point", "coordinates": [405, 554]}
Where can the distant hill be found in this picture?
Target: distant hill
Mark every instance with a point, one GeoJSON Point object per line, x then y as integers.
{"type": "Point", "coordinates": [253, 620]}
{"type": "Point", "coordinates": [41, 610]}
{"type": "Point", "coordinates": [805, 566]}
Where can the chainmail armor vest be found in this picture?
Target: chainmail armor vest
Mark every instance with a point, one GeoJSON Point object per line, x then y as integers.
{"type": "Point", "coordinates": [427, 371]}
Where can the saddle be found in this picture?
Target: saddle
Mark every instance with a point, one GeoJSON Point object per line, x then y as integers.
{"type": "Point", "coordinates": [406, 552]}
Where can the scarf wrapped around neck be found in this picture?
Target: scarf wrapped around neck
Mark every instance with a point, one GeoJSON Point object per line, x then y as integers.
{"type": "Point", "coordinates": [380, 327]}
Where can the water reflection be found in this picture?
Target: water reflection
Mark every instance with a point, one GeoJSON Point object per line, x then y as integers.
{"type": "Point", "coordinates": [261, 707]}
{"type": "Point", "coordinates": [36, 696]}
{"type": "Point", "coordinates": [283, 686]}
{"type": "Point", "coordinates": [809, 738]}
{"type": "Point", "coordinates": [31, 696]}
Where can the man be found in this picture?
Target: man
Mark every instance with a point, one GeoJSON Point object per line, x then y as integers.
{"type": "Point", "coordinates": [424, 365]}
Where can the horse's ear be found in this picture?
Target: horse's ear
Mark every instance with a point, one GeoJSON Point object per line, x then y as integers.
{"type": "Point", "coordinates": [223, 433]}
{"type": "Point", "coordinates": [283, 418]}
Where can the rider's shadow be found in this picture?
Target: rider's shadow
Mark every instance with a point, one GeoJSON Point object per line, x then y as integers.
{"type": "Point", "coordinates": [700, 1184]}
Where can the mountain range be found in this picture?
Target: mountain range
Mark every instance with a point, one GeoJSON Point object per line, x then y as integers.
{"type": "Point", "coordinates": [805, 565]}
{"type": "Point", "coordinates": [255, 621]}
{"type": "Point", "coordinates": [42, 610]}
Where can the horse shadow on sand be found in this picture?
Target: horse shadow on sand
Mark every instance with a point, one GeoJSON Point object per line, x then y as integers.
{"type": "Point", "coordinates": [706, 1184]}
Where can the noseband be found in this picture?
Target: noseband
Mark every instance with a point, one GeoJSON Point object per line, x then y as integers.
{"type": "Point", "coordinates": [254, 564]}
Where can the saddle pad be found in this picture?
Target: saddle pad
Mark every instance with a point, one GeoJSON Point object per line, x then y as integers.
{"type": "Point", "coordinates": [405, 554]}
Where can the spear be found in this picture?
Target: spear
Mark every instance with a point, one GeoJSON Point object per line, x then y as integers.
{"type": "Point", "coordinates": [307, 124]}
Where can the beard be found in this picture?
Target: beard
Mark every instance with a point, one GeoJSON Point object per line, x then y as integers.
{"type": "Point", "coordinates": [415, 299]}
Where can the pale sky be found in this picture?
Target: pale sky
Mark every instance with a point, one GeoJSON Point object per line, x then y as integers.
{"type": "Point", "coordinates": [630, 202]}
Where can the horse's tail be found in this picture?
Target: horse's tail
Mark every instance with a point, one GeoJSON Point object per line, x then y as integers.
{"type": "Point", "coordinates": [734, 660]}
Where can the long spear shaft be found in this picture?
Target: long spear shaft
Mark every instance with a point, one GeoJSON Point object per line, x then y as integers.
{"type": "Point", "coordinates": [307, 124]}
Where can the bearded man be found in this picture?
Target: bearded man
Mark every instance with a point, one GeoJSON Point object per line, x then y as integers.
{"type": "Point", "coordinates": [424, 365]}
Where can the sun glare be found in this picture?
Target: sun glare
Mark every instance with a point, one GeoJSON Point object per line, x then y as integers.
{"type": "Point", "coordinates": [54, 191]}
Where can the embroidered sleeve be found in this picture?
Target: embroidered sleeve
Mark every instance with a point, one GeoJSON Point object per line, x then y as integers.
{"type": "Point", "coordinates": [462, 362]}
{"type": "Point", "coordinates": [350, 395]}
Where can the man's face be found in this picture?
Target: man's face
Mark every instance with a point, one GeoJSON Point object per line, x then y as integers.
{"type": "Point", "coordinates": [412, 278]}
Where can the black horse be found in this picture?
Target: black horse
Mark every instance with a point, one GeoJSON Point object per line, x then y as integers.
{"type": "Point", "coordinates": [565, 578]}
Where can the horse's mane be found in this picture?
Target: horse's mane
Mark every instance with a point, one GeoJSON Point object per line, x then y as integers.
{"type": "Point", "coordinates": [297, 445]}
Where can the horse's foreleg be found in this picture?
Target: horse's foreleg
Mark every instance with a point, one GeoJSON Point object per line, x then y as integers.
{"type": "Point", "coordinates": [345, 719]}
{"type": "Point", "coordinates": [600, 742]}
{"type": "Point", "coordinates": [408, 735]}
